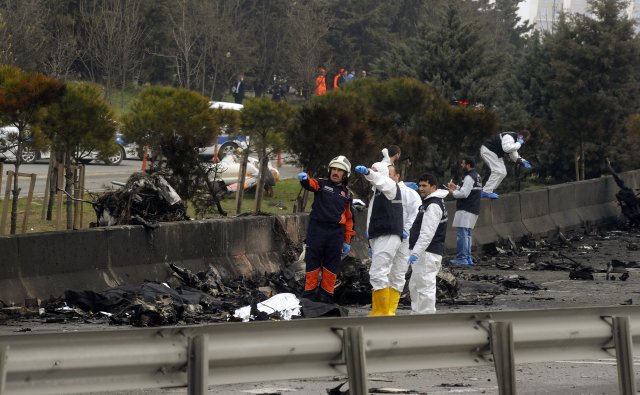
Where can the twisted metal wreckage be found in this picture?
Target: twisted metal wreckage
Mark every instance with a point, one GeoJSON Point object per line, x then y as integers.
{"type": "Point", "coordinates": [187, 297]}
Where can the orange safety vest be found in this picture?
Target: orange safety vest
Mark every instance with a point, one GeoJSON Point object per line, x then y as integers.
{"type": "Point", "coordinates": [321, 85]}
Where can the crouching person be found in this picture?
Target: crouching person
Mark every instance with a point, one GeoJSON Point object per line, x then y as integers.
{"type": "Point", "coordinates": [426, 243]}
{"type": "Point", "coordinates": [330, 229]}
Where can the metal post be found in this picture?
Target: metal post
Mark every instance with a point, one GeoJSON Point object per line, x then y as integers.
{"type": "Point", "coordinates": [7, 196]}
{"type": "Point", "coordinates": [356, 362]}
{"type": "Point", "coordinates": [198, 379]}
{"type": "Point", "coordinates": [4, 355]}
{"type": "Point", "coordinates": [501, 341]}
{"type": "Point", "coordinates": [624, 355]}
{"type": "Point", "coordinates": [27, 209]}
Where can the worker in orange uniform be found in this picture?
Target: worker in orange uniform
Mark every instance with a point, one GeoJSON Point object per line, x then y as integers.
{"type": "Point", "coordinates": [338, 80]}
{"type": "Point", "coordinates": [330, 229]}
{"type": "Point", "coordinates": [321, 82]}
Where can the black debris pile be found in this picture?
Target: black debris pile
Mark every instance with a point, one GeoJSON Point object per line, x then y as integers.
{"type": "Point", "coordinates": [481, 289]}
{"type": "Point", "coordinates": [145, 199]}
{"type": "Point", "coordinates": [352, 286]}
{"type": "Point", "coordinates": [627, 199]}
{"type": "Point", "coordinates": [146, 304]}
{"type": "Point", "coordinates": [617, 269]}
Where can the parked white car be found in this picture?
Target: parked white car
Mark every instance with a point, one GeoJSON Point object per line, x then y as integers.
{"type": "Point", "coordinates": [29, 155]}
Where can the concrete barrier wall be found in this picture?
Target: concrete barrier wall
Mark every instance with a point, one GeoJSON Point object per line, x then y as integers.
{"type": "Point", "coordinates": [47, 264]}
{"type": "Point", "coordinates": [535, 214]}
{"type": "Point", "coordinates": [506, 217]}
{"type": "Point", "coordinates": [562, 206]}
{"type": "Point", "coordinates": [592, 200]}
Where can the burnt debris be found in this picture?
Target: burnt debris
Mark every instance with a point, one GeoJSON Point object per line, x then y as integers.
{"type": "Point", "coordinates": [145, 199]}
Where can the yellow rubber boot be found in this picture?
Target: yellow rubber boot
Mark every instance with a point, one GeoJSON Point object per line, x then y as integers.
{"type": "Point", "coordinates": [379, 302]}
{"type": "Point", "coordinates": [394, 299]}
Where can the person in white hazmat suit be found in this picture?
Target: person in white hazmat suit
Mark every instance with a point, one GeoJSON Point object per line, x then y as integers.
{"type": "Point", "coordinates": [411, 202]}
{"type": "Point", "coordinates": [493, 151]}
{"type": "Point", "coordinates": [385, 231]}
{"type": "Point", "coordinates": [426, 245]}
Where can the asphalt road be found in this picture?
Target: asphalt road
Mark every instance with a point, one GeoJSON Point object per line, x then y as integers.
{"type": "Point", "coordinates": [560, 377]}
{"type": "Point", "coordinates": [98, 176]}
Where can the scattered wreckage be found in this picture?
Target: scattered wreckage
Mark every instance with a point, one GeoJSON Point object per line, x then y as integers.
{"type": "Point", "coordinates": [204, 297]}
{"type": "Point", "coordinates": [145, 199]}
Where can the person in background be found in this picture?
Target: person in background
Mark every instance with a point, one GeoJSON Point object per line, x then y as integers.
{"type": "Point", "coordinates": [330, 229]}
{"type": "Point", "coordinates": [467, 210]}
{"type": "Point", "coordinates": [492, 152]}
{"type": "Point", "coordinates": [321, 82]}
{"type": "Point", "coordinates": [426, 245]}
{"type": "Point", "coordinates": [350, 77]}
{"type": "Point", "coordinates": [278, 92]}
{"type": "Point", "coordinates": [338, 80]}
{"type": "Point", "coordinates": [238, 89]}
{"type": "Point", "coordinates": [391, 155]}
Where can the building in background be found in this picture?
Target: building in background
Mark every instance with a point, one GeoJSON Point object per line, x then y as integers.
{"type": "Point", "coordinates": [544, 13]}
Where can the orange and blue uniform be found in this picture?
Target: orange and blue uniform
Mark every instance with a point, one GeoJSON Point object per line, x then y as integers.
{"type": "Point", "coordinates": [330, 225]}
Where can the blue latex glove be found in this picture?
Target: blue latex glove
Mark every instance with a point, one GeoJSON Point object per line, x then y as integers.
{"type": "Point", "coordinates": [345, 249]}
{"type": "Point", "coordinates": [404, 234]}
{"type": "Point", "coordinates": [370, 252]}
{"type": "Point", "coordinates": [521, 141]}
{"type": "Point", "coordinates": [412, 185]}
{"type": "Point", "coordinates": [412, 259]}
{"type": "Point", "coordinates": [525, 163]}
{"type": "Point", "coordinates": [362, 169]}
{"type": "Point", "coordinates": [302, 176]}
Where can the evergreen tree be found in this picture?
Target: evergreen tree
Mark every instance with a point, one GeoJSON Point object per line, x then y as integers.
{"type": "Point", "coordinates": [593, 83]}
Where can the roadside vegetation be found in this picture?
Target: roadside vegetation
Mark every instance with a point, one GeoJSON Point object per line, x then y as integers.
{"type": "Point", "coordinates": [282, 202]}
{"type": "Point", "coordinates": [442, 76]}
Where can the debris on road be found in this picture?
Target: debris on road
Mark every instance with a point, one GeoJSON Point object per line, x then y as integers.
{"type": "Point", "coordinates": [627, 199]}
{"type": "Point", "coordinates": [188, 297]}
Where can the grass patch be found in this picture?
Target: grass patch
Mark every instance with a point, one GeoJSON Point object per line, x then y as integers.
{"type": "Point", "coordinates": [282, 202]}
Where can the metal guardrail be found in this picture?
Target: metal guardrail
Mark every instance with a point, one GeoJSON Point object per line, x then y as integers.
{"type": "Point", "coordinates": [202, 356]}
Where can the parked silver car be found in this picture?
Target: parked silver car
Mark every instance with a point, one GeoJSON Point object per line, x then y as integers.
{"type": "Point", "coordinates": [29, 155]}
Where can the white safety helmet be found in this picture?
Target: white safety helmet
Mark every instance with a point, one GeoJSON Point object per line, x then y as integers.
{"type": "Point", "coordinates": [341, 162]}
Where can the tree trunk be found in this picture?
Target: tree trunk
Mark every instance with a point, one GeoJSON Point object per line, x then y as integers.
{"type": "Point", "coordinates": [16, 189]}
{"type": "Point", "coordinates": [264, 159]}
{"type": "Point", "coordinates": [242, 175]}
{"type": "Point", "coordinates": [68, 187]}
{"type": "Point", "coordinates": [58, 159]}
{"type": "Point", "coordinates": [581, 160]}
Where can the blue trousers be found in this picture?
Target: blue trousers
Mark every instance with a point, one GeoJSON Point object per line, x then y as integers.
{"type": "Point", "coordinates": [463, 236]}
{"type": "Point", "coordinates": [322, 258]}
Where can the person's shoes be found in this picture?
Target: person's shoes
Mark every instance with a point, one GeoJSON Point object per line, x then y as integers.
{"type": "Point", "coordinates": [490, 195]}
{"type": "Point", "coordinates": [470, 262]}
{"type": "Point", "coordinates": [459, 262]}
